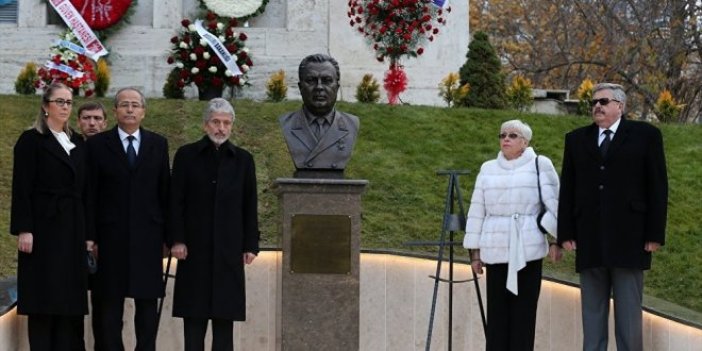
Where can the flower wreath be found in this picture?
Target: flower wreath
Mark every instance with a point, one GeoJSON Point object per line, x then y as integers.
{"type": "Point", "coordinates": [83, 77]}
{"type": "Point", "coordinates": [239, 9]}
{"type": "Point", "coordinates": [105, 17]}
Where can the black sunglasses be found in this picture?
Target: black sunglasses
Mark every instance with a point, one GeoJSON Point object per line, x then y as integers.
{"type": "Point", "coordinates": [510, 135]}
{"type": "Point", "coordinates": [602, 101]}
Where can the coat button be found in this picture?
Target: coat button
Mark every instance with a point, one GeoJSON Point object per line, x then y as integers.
{"type": "Point", "coordinates": [602, 168]}
{"type": "Point", "coordinates": [601, 187]}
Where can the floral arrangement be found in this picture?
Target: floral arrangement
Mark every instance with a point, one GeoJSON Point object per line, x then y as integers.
{"type": "Point", "coordinates": [197, 63]}
{"type": "Point", "coordinates": [239, 9]}
{"type": "Point", "coordinates": [69, 67]}
{"type": "Point", "coordinates": [397, 28]}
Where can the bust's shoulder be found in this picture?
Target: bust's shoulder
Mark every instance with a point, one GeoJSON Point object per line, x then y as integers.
{"type": "Point", "coordinates": [348, 118]}
{"type": "Point", "coordinates": [289, 116]}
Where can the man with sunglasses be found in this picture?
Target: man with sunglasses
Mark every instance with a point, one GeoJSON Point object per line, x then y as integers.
{"type": "Point", "coordinates": [612, 212]}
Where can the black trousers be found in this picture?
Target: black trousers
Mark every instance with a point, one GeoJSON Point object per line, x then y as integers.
{"type": "Point", "coordinates": [511, 319]}
{"type": "Point", "coordinates": [51, 332]}
{"type": "Point", "coordinates": [111, 311]}
{"type": "Point", "coordinates": [222, 334]}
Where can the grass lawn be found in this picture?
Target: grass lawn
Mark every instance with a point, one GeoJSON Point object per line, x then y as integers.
{"type": "Point", "coordinates": [398, 151]}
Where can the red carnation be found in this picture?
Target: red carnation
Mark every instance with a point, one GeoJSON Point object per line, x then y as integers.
{"type": "Point", "coordinates": [212, 25]}
{"type": "Point", "coordinates": [170, 60]}
{"type": "Point", "coordinates": [233, 22]}
{"type": "Point", "coordinates": [88, 93]}
{"type": "Point", "coordinates": [248, 62]}
{"type": "Point", "coordinates": [198, 80]}
{"type": "Point", "coordinates": [185, 23]}
{"type": "Point", "coordinates": [232, 48]}
{"type": "Point", "coordinates": [420, 51]}
{"type": "Point", "coordinates": [56, 59]}
{"type": "Point", "coordinates": [211, 16]}
{"type": "Point", "coordinates": [199, 50]}
{"type": "Point", "coordinates": [229, 32]}
{"type": "Point", "coordinates": [218, 82]}
{"type": "Point", "coordinates": [183, 55]}
{"type": "Point", "coordinates": [184, 74]}
{"type": "Point", "coordinates": [243, 37]}
{"type": "Point", "coordinates": [436, 31]}
{"type": "Point", "coordinates": [174, 40]}
{"type": "Point", "coordinates": [181, 84]}
{"type": "Point", "coordinates": [201, 64]}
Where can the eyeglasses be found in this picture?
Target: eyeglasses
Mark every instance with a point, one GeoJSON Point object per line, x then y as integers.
{"type": "Point", "coordinates": [62, 102]}
{"type": "Point", "coordinates": [602, 101]}
{"type": "Point", "coordinates": [126, 105]}
{"type": "Point", "coordinates": [510, 135]}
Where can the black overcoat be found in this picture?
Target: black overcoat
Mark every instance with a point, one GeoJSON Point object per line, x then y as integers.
{"type": "Point", "coordinates": [47, 201]}
{"type": "Point", "coordinates": [612, 206]}
{"type": "Point", "coordinates": [214, 207]}
{"type": "Point", "coordinates": [127, 213]}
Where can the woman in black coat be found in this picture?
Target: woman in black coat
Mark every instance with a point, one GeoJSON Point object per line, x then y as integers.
{"type": "Point", "coordinates": [48, 220]}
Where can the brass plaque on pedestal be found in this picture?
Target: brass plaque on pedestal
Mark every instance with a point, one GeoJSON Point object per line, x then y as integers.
{"type": "Point", "coordinates": [320, 244]}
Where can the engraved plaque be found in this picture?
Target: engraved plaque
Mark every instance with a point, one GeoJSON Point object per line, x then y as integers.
{"type": "Point", "coordinates": [320, 244]}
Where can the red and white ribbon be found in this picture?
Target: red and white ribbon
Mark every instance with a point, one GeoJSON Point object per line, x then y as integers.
{"type": "Point", "coordinates": [74, 21]}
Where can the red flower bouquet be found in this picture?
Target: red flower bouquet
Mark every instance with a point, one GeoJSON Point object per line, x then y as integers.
{"type": "Point", "coordinates": [198, 63]}
{"type": "Point", "coordinates": [75, 70]}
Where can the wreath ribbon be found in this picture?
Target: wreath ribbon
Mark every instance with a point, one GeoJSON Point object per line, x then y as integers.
{"type": "Point", "coordinates": [65, 69]}
{"type": "Point", "coordinates": [218, 48]}
{"type": "Point", "coordinates": [93, 47]}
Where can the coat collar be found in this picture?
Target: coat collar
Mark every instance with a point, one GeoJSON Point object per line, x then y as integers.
{"type": "Point", "coordinates": [527, 156]}
{"type": "Point", "coordinates": [205, 143]}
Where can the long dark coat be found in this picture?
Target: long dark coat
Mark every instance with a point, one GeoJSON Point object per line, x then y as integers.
{"type": "Point", "coordinates": [611, 207]}
{"type": "Point", "coordinates": [47, 201]}
{"type": "Point", "coordinates": [127, 213]}
{"type": "Point", "coordinates": [214, 208]}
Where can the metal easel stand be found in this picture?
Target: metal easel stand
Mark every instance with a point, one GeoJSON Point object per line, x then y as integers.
{"type": "Point", "coordinates": [452, 222]}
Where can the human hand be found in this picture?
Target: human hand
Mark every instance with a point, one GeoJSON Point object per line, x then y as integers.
{"type": "Point", "coordinates": [179, 251]}
{"type": "Point", "coordinates": [25, 242]}
{"type": "Point", "coordinates": [554, 253]}
{"type": "Point", "coordinates": [651, 246]}
{"type": "Point", "coordinates": [249, 257]}
{"type": "Point", "coordinates": [569, 245]}
{"type": "Point", "coordinates": [477, 266]}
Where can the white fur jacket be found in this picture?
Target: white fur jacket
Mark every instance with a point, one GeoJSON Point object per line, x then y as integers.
{"type": "Point", "coordinates": [504, 207]}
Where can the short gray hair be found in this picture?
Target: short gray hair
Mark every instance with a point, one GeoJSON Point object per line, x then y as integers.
{"type": "Point", "coordinates": [217, 105]}
{"type": "Point", "coordinates": [519, 126]}
{"type": "Point", "coordinates": [616, 89]}
{"type": "Point", "coordinates": [141, 95]}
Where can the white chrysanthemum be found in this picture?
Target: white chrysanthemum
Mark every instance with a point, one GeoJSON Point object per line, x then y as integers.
{"type": "Point", "coordinates": [183, 45]}
{"type": "Point", "coordinates": [245, 49]}
{"type": "Point", "coordinates": [244, 68]}
{"type": "Point", "coordinates": [192, 28]}
{"type": "Point", "coordinates": [242, 81]}
{"type": "Point", "coordinates": [203, 42]}
{"type": "Point", "coordinates": [220, 25]}
{"type": "Point", "coordinates": [228, 73]}
{"type": "Point", "coordinates": [193, 57]}
{"type": "Point", "coordinates": [194, 70]}
{"type": "Point", "coordinates": [229, 8]}
{"type": "Point", "coordinates": [221, 38]}
{"type": "Point", "coordinates": [212, 69]}
{"type": "Point", "coordinates": [179, 64]}
{"type": "Point", "coordinates": [206, 55]}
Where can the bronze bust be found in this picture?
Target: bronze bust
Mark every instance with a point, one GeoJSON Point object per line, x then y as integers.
{"type": "Point", "coordinates": [320, 139]}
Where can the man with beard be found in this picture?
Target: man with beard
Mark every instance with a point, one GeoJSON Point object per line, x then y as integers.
{"type": "Point", "coordinates": [215, 230]}
{"type": "Point", "coordinates": [320, 138]}
{"type": "Point", "coordinates": [612, 211]}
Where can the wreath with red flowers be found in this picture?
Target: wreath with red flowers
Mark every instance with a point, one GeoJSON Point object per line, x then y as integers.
{"type": "Point", "coordinates": [105, 17]}
{"type": "Point", "coordinates": [396, 29]}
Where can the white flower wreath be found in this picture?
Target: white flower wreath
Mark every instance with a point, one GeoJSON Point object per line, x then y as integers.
{"type": "Point", "coordinates": [234, 8]}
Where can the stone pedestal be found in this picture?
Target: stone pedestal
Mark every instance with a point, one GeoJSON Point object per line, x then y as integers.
{"type": "Point", "coordinates": [318, 295]}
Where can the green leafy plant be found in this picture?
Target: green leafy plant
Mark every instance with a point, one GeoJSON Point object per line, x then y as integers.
{"type": "Point", "coordinates": [667, 109]}
{"type": "Point", "coordinates": [276, 90]}
{"type": "Point", "coordinates": [25, 79]}
{"type": "Point", "coordinates": [171, 89]}
{"type": "Point", "coordinates": [102, 78]}
{"type": "Point", "coordinates": [519, 93]}
{"type": "Point", "coordinates": [368, 91]}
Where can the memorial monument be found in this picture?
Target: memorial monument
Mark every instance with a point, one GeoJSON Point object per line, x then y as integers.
{"type": "Point", "coordinates": [321, 219]}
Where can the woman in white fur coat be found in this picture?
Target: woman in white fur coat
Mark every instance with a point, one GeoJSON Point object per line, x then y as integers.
{"type": "Point", "coordinates": [503, 236]}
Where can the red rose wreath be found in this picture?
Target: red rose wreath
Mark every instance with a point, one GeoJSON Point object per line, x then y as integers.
{"type": "Point", "coordinates": [102, 14]}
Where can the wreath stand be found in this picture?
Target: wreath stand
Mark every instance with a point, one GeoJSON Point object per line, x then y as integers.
{"type": "Point", "coordinates": [452, 222]}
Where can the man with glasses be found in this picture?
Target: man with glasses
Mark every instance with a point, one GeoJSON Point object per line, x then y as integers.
{"type": "Point", "coordinates": [612, 212]}
{"type": "Point", "coordinates": [215, 230]}
{"type": "Point", "coordinates": [319, 138]}
{"type": "Point", "coordinates": [128, 186]}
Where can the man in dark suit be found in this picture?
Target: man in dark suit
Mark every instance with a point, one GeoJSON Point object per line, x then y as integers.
{"type": "Point", "coordinates": [612, 210]}
{"type": "Point", "coordinates": [127, 204]}
{"type": "Point", "coordinates": [215, 230]}
{"type": "Point", "coordinates": [320, 138]}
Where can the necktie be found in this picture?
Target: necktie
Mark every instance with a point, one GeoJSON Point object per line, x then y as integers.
{"type": "Point", "coordinates": [131, 152]}
{"type": "Point", "coordinates": [319, 127]}
{"type": "Point", "coordinates": [604, 145]}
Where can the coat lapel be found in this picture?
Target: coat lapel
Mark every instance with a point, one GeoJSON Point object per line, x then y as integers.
{"type": "Point", "coordinates": [619, 137]}
{"type": "Point", "coordinates": [337, 131]}
{"type": "Point", "coordinates": [55, 149]}
{"type": "Point", "coordinates": [302, 131]}
{"type": "Point", "coordinates": [115, 145]}
{"type": "Point", "coordinates": [591, 142]}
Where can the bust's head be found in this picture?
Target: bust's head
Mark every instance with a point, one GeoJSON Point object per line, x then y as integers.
{"type": "Point", "coordinates": [319, 83]}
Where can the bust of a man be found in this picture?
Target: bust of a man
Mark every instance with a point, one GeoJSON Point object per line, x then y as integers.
{"type": "Point", "coordinates": [320, 138]}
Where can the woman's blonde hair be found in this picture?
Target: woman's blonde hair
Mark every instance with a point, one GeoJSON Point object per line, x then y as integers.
{"type": "Point", "coordinates": [40, 122]}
